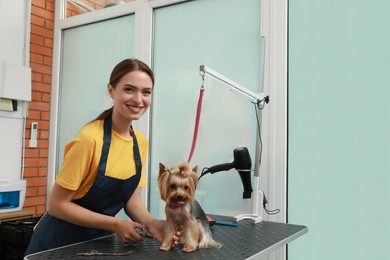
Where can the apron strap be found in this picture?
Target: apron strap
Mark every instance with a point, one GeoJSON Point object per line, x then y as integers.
{"type": "Point", "coordinates": [137, 155]}
{"type": "Point", "coordinates": [106, 146]}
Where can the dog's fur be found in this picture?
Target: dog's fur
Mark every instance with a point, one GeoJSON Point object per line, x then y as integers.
{"type": "Point", "coordinates": [177, 188]}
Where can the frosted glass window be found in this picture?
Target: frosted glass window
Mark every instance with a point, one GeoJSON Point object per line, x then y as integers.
{"type": "Point", "coordinates": [89, 54]}
{"type": "Point", "coordinates": [225, 36]}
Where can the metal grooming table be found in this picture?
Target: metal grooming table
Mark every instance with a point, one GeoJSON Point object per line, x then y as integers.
{"type": "Point", "coordinates": [246, 241]}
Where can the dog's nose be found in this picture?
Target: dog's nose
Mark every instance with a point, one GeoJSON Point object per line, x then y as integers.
{"type": "Point", "coordinates": [180, 197]}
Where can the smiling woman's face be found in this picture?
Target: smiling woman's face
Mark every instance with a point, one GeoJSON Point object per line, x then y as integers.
{"type": "Point", "coordinates": [132, 95]}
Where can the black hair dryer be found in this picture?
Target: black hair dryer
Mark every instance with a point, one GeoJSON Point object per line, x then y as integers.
{"type": "Point", "coordinates": [243, 164]}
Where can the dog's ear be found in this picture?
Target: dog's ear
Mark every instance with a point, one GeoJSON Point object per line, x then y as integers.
{"type": "Point", "coordinates": [194, 175]}
{"type": "Point", "coordinates": [162, 180]}
{"type": "Point", "coordinates": [162, 168]}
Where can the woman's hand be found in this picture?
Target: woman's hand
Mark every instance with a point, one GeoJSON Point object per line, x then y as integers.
{"type": "Point", "coordinates": [126, 231]}
{"type": "Point", "coordinates": [156, 228]}
{"type": "Point", "coordinates": [136, 210]}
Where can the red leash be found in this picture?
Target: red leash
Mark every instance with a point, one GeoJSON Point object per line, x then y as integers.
{"type": "Point", "coordinates": [198, 112]}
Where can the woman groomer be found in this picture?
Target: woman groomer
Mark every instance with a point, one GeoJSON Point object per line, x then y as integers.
{"type": "Point", "coordinates": [102, 172]}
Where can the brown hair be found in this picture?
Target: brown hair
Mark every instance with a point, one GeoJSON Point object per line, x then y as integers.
{"type": "Point", "coordinates": [122, 68]}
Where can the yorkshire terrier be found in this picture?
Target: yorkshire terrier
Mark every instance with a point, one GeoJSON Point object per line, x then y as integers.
{"type": "Point", "coordinates": [177, 188]}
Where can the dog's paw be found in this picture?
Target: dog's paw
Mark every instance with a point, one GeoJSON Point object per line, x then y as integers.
{"type": "Point", "coordinates": [217, 245]}
{"type": "Point", "coordinates": [188, 249]}
{"type": "Point", "coordinates": [165, 247]}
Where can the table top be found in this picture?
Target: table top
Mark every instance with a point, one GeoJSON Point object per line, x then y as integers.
{"type": "Point", "coordinates": [245, 241]}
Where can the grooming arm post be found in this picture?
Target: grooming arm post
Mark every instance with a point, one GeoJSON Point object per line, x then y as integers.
{"type": "Point", "coordinates": [257, 201]}
{"type": "Point", "coordinates": [258, 196]}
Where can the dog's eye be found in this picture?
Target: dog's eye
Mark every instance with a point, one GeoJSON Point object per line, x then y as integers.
{"type": "Point", "coordinates": [186, 187]}
{"type": "Point", "coordinates": [173, 186]}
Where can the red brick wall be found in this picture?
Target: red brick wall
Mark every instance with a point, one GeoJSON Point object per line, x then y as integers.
{"type": "Point", "coordinates": [36, 159]}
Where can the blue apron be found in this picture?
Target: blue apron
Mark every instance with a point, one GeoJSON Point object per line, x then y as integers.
{"type": "Point", "coordinates": [107, 196]}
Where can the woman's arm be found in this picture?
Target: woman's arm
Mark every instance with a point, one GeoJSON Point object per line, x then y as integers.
{"type": "Point", "coordinates": [137, 211]}
{"type": "Point", "coordinates": [62, 207]}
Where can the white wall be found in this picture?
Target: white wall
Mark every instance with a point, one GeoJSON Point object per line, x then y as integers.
{"type": "Point", "coordinates": [12, 30]}
{"type": "Point", "coordinates": [14, 48]}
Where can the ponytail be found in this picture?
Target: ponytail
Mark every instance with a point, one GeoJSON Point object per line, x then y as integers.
{"type": "Point", "coordinates": [103, 115]}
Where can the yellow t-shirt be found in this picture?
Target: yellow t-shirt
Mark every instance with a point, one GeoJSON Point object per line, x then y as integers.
{"type": "Point", "coordinates": [82, 156]}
